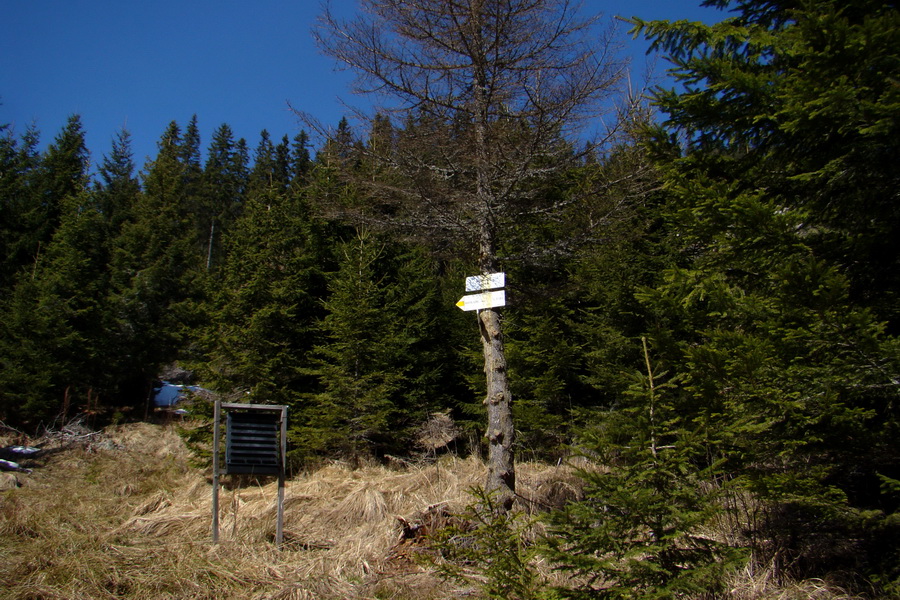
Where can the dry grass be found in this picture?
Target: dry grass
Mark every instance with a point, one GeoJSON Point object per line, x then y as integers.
{"type": "Point", "coordinates": [763, 584]}
{"type": "Point", "coordinates": [124, 515]}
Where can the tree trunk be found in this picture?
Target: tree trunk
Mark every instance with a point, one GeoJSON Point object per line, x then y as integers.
{"type": "Point", "coordinates": [501, 478]}
{"type": "Point", "coordinates": [522, 78]}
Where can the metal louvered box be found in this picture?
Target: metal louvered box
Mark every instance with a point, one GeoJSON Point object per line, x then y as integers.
{"type": "Point", "coordinates": [252, 443]}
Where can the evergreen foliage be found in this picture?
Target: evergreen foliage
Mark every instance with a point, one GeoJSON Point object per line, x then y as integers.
{"type": "Point", "coordinates": [224, 180]}
{"type": "Point", "coordinates": [119, 187]}
{"type": "Point", "coordinates": [380, 361]}
{"type": "Point", "coordinates": [748, 236]}
{"type": "Point", "coordinates": [153, 280]}
{"type": "Point", "coordinates": [496, 546]}
{"type": "Point", "coordinates": [63, 173]}
{"type": "Point", "coordinates": [356, 367]}
{"type": "Point", "coordinates": [51, 316]}
{"type": "Point", "coordinates": [19, 162]}
{"type": "Point", "coordinates": [265, 305]}
{"type": "Point", "coordinates": [572, 283]}
{"type": "Point", "coordinates": [780, 315]}
{"type": "Point", "coordinates": [800, 101]}
{"type": "Point", "coordinates": [642, 529]}
{"type": "Point", "coordinates": [300, 161]}
{"type": "Point", "coordinates": [54, 334]}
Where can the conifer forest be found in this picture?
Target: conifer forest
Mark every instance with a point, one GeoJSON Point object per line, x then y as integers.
{"type": "Point", "coordinates": [702, 278]}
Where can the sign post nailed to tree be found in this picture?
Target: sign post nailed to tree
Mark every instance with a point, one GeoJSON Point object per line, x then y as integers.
{"type": "Point", "coordinates": [489, 296]}
{"type": "Point", "coordinates": [485, 100]}
{"type": "Point", "coordinates": [500, 432]}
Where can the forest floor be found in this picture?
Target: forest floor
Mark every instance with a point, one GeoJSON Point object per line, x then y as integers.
{"type": "Point", "coordinates": [123, 513]}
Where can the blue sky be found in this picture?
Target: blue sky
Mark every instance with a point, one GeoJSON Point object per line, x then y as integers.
{"type": "Point", "coordinates": [141, 65]}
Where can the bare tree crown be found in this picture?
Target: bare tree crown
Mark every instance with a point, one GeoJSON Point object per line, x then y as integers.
{"type": "Point", "coordinates": [491, 95]}
{"type": "Point", "coordinates": [501, 93]}
{"type": "Point", "coordinates": [534, 61]}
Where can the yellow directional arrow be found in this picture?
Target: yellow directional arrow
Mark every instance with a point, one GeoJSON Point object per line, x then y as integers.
{"type": "Point", "coordinates": [483, 300]}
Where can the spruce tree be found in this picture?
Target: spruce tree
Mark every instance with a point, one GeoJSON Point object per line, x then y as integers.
{"type": "Point", "coordinates": [267, 302]}
{"type": "Point", "coordinates": [117, 194]}
{"type": "Point", "coordinates": [50, 314]}
{"type": "Point", "coordinates": [571, 337]}
{"type": "Point", "coordinates": [356, 364]}
{"type": "Point", "coordinates": [494, 89]}
{"type": "Point", "coordinates": [219, 201]}
{"type": "Point", "coordinates": [53, 338]}
{"type": "Point", "coordinates": [780, 311]}
{"type": "Point", "coordinates": [63, 173]}
{"type": "Point", "coordinates": [641, 529]}
{"type": "Point", "coordinates": [19, 163]}
{"type": "Point", "coordinates": [35, 186]}
{"type": "Point", "coordinates": [154, 279]}
{"type": "Point", "coordinates": [189, 150]}
{"type": "Point", "coordinates": [800, 101]}
{"type": "Point", "coordinates": [381, 361]}
{"type": "Point", "coordinates": [265, 172]}
{"type": "Point", "coordinates": [300, 162]}
{"type": "Point", "coordinates": [119, 186]}
{"type": "Point", "coordinates": [282, 158]}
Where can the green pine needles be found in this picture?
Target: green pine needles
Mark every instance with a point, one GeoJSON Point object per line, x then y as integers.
{"type": "Point", "coordinates": [496, 550]}
{"type": "Point", "coordinates": [643, 528]}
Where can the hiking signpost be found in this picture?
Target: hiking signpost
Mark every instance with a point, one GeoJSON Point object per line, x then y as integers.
{"type": "Point", "coordinates": [483, 300]}
{"type": "Point", "coordinates": [488, 296]}
{"type": "Point", "coordinates": [485, 281]}
{"type": "Point", "coordinates": [255, 444]}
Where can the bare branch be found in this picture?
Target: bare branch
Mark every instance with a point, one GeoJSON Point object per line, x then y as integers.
{"type": "Point", "coordinates": [486, 101]}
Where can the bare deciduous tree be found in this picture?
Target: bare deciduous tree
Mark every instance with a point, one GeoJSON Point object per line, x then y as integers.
{"type": "Point", "coordinates": [492, 97]}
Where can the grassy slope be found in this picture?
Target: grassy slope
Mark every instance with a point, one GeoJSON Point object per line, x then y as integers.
{"type": "Point", "coordinates": [124, 515]}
